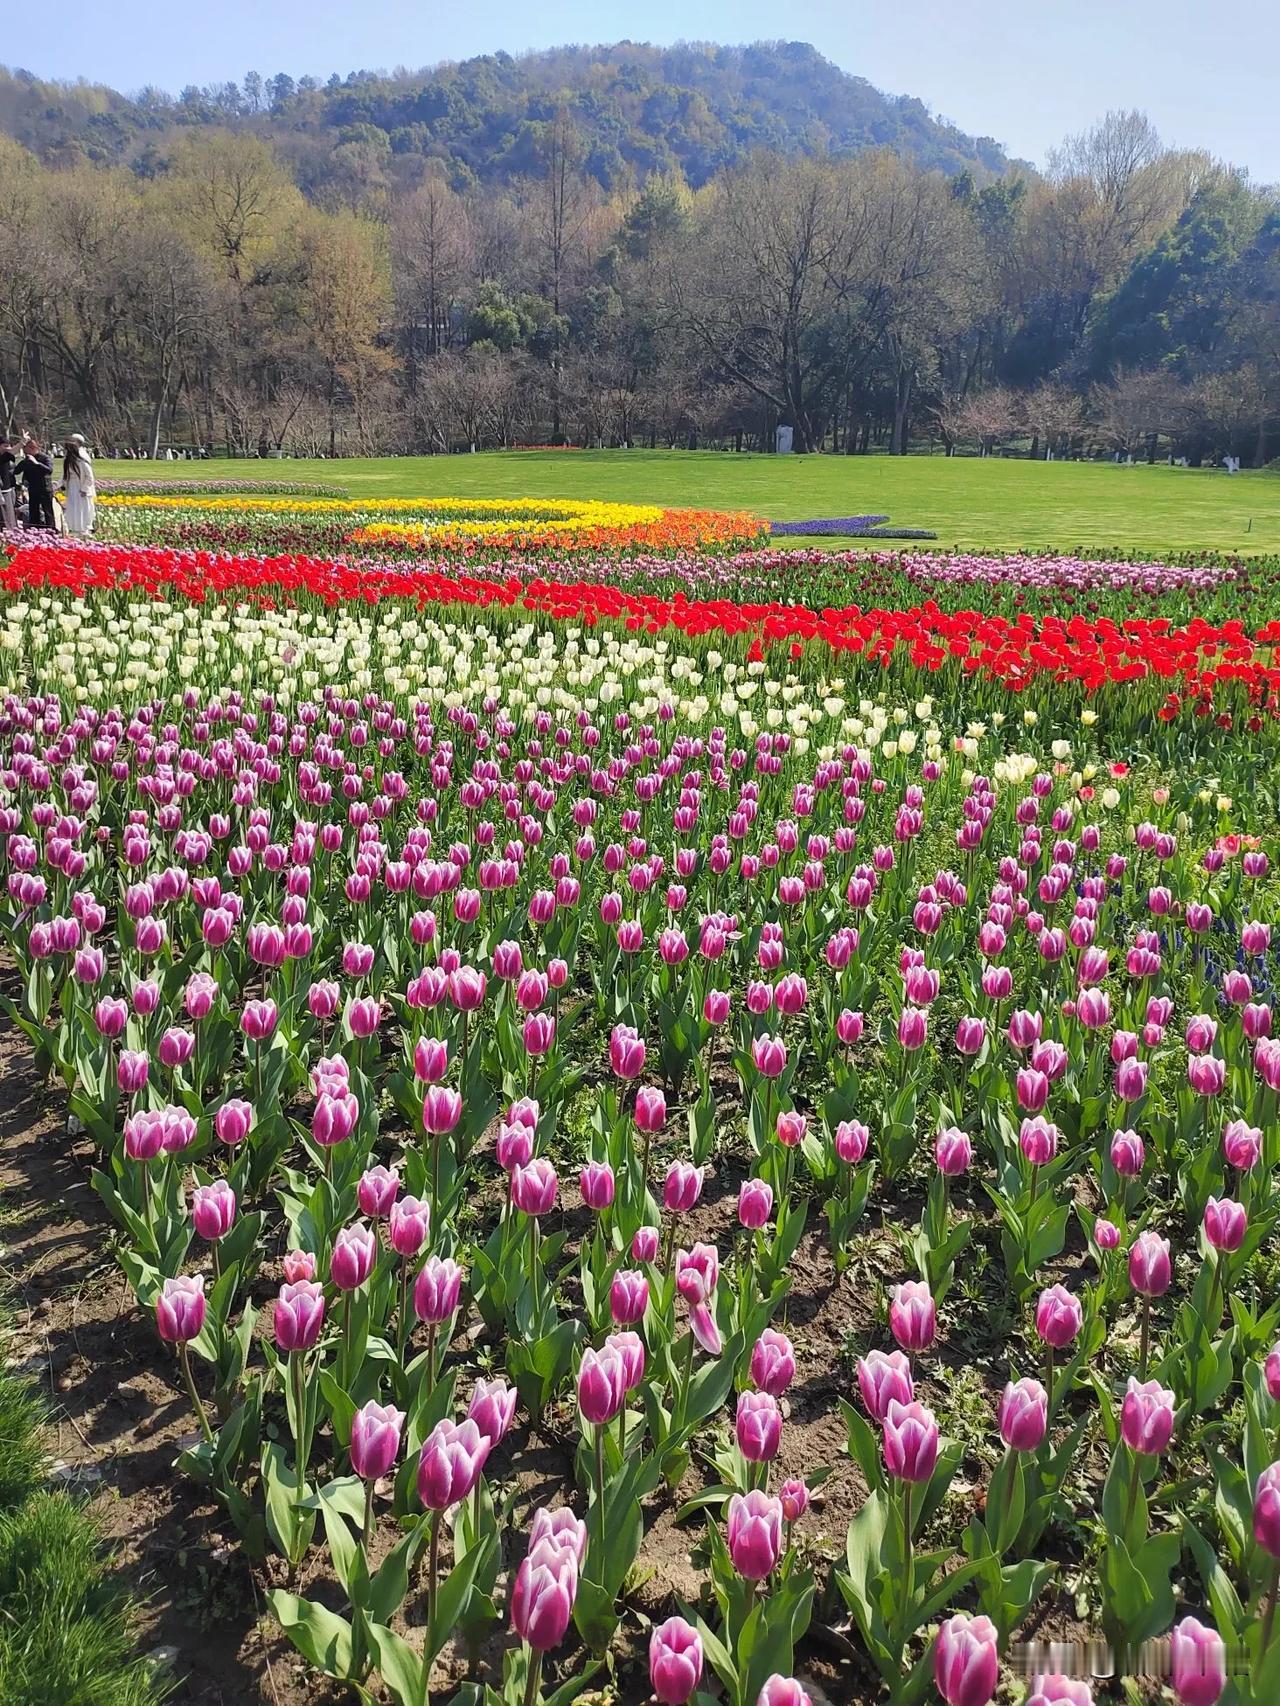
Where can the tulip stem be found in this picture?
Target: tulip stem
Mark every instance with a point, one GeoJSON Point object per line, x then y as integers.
{"type": "Point", "coordinates": [1273, 1592]}
{"type": "Point", "coordinates": [147, 1204]}
{"type": "Point", "coordinates": [1145, 1346]}
{"type": "Point", "coordinates": [908, 1557]}
{"type": "Point", "coordinates": [433, 1567]}
{"type": "Point", "coordinates": [431, 1356]}
{"type": "Point", "coordinates": [435, 1178]}
{"type": "Point", "coordinates": [622, 1432]}
{"type": "Point", "coordinates": [1048, 1381]}
{"type": "Point", "coordinates": [300, 1408]}
{"type": "Point", "coordinates": [402, 1319]}
{"type": "Point", "coordinates": [368, 1513]}
{"type": "Point", "coordinates": [533, 1256]}
{"type": "Point", "coordinates": [599, 1442]}
{"type": "Point", "coordinates": [532, 1686]}
{"type": "Point", "coordinates": [185, 1359]}
{"type": "Point", "coordinates": [1135, 1480]}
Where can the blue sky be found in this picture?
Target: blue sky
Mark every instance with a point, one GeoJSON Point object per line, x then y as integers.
{"type": "Point", "coordinates": [1024, 71]}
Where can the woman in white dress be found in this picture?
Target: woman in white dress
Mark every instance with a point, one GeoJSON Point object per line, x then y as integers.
{"type": "Point", "coordinates": [78, 484]}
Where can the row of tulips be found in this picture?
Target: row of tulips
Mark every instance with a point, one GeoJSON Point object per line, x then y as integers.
{"type": "Point", "coordinates": [1170, 670]}
{"type": "Point", "coordinates": [352, 982]}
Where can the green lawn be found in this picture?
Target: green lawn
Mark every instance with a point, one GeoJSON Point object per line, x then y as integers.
{"type": "Point", "coordinates": [966, 502]}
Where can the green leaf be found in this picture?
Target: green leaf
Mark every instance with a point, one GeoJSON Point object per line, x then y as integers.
{"type": "Point", "coordinates": [320, 1635]}
{"type": "Point", "coordinates": [401, 1668]}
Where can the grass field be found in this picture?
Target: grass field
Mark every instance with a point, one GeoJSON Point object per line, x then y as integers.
{"type": "Point", "coordinates": [987, 504]}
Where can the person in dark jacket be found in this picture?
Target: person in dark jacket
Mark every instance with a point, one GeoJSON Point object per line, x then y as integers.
{"type": "Point", "coordinates": [8, 496]}
{"type": "Point", "coordinates": [36, 473]}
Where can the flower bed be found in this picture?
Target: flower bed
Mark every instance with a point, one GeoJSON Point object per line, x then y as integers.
{"type": "Point", "coordinates": [407, 527]}
{"type": "Point", "coordinates": [1164, 670]}
{"type": "Point", "coordinates": [511, 1015]}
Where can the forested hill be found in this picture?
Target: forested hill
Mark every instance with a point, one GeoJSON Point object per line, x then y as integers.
{"type": "Point", "coordinates": [638, 109]}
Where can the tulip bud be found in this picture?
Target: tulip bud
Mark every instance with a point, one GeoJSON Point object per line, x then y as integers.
{"type": "Point", "coordinates": [180, 1309]}
{"type": "Point", "coordinates": [675, 1661]}
{"type": "Point", "coordinates": [913, 1316]}
{"type": "Point", "coordinates": [1024, 1415]}
{"type": "Point", "coordinates": [966, 1661]}
{"type": "Point", "coordinates": [1197, 1663]}
{"type": "Point", "coordinates": [1146, 1417]}
{"type": "Point", "coordinates": [375, 1439]}
{"type": "Point", "coordinates": [910, 1442]}
{"type": "Point", "coordinates": [754, 1533]}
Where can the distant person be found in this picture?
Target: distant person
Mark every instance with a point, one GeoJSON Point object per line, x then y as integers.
{"type": "Point", "coordinates": [79, 485]}
{"type": "Point", "coordinates": [8, 484]}
{"type": "Point", "coordinates": [35, 470]}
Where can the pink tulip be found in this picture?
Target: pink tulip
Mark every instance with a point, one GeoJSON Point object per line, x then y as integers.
{"type": "Point", "coordinates": [601, 1386]}
{"type": "Point", "coordinates": [1225, 1224]}
{"type": "Point", "coordinates": [910, 1442]}
{"type": "Point", "coordinates": [849, 1027]}
{"type": "Point", "coordinates": [675, 1661]}
{"type": "Point", "coordinates": [913, 1316]}
{"type": "Point", "coordinates": [626, 1053]}
{"type": "Point", "coordinates": [133, 1068]}
{"type": "Point", "coordinates": [1106, 1234]}
{"type": "Point", "coordinates": [534, 1187]}
{"type": "Point", "coordinates": [1146, 1417]}
{"type": "Point", "coordinates": [492, 1408]}
{"type": "Point", "coordinates": [913, 1027]}
{"type": "Point", "coordinates": [754, 1532]}
{"type": "Point", "coordinates": [597, 1184]}
{"type": "Point", "coordinates": [180, 1309]}
{"type": "Point", "coordinates": [450, 1462]}
{"type": "Point", "coordinates": [1059, 1691]}
{"type": "Point", "coordinates": [377, 1191]}
{"type": "Point", "coordinates": [441, 1109]}
{"type": "Point", "coordinates": [436, 1290]}
{"type": "Point", "coordinates": [1024, 1415]}
{"type": "Point", "coordinates": [299, 1315]}
{"type": "Point", "coordinates": [773, 1362]}
{"type": "Point", "coordinates": [354, 1252]}
{"type": "Point", "coordinates": [966, 1661]}
{"type": "Point", "coordinates": [682, 1187]}
{"type": "Point", "coordinates": [850, 1141]}
{"type": "Point", "coordinates": [1197, 1663]}
{"type": "Point", "coordinates": [430, 1059]}
{"type": "Point", "coordinates": [970, 1035]}
{"type": "Point", "coordinates": [213, 1210]}
{"type": "Point", "coordinates": [782, 1691]}
{"type": "Point", "coordinates": [258, 1021]}
{"type": "Point", "coordinates": [375, 1439]}
{"type": "Point", "coordinates": [298, 1265]}
{"type": "Point", "coordinates": [884, 1377]}
{"type": "Point", "coordinates": [630, 1347]}
{"type": "Point", "coordinates": [953, 1152]}
{"type": "Point", "coordinates": [628, 1297]}
{"type": "Point", "coordinates": [758, 1426]}
{"type": "Point", "coordinates": [1150, 1267]}
{"type": "Point", "coordinates": [408, 1225]}
{"type": "Point", "coordinates": [334, 1119]}
{"type": "Point", "coordinates": [769, 1056]}
{"type": "Point", "coordinates": [1059, 1317]}
{"type": "Point", "coordinates": [1271, 1371]}
{"type": "Point", "coordinates": [755, 1204]}
{"type": "Point", "coordinates": [794, 1498]}
{"type": "Point", "coordinates": [1266, 1511]}
{"type": "Point", "coordinates": [650, 1109]}
{"type": "Point", "coordinates": [543, 1595]}
{"type": "Point", "coordinates": [644, 1245]}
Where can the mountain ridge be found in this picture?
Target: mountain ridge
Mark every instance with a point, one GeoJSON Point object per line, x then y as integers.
{"type": "Point", "coordinates": [695, 108]}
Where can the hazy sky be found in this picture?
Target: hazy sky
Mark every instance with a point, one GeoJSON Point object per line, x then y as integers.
{"type": "Point", "coordinates": [1024, 71]}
